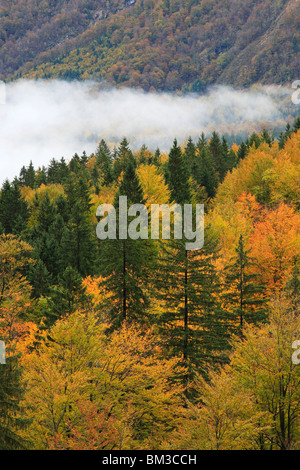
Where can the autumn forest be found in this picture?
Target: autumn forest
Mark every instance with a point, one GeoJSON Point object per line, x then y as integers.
{"type": "Point", "coordinates": [141, 344]}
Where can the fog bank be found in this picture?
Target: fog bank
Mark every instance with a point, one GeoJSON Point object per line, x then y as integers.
{"type": "Point", "coordinates": [41, 120]}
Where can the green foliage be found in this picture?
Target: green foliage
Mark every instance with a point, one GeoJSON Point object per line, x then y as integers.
{"type": "Point", "coordinates": [246, 296]}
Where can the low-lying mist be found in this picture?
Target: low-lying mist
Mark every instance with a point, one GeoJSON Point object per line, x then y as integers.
{"type": "Point", "coordinates": [47, 119]}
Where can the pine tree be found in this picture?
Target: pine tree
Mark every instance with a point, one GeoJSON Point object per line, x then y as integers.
{"type": "Point", "coordinates": [192, 320]}
{"type": "Point", "coordinates": [125, 263]}
{"type": "Point", "coordinates": [39, 278]}
{"type": "Point", "coordinates": [187, 290]}
{"type": "Point", "coordinates": [177, 176]}
{"type": "Point", "coordinates": [122, 156]}
{"type": "Point", "coordinates": [218, 156]}
{"type": "Point", "coordinates": [245, 298]}
{"type": "Point", "coordinates": [205, 173]}
{"type": "Point", "coordinates": [68, 294]}
{"type": "Point", "coordinates": [78, 239]}
{"type": "Point", "coordinates": [242, 151]}
{"type": "Point", "coordinates": [189, 156]}
{"type": "Point", "coordinates": [104, 162]}
{"type": "Point", "coordinates": [14, 211]}
{"type": "Point", "coordinates": [11, 393]}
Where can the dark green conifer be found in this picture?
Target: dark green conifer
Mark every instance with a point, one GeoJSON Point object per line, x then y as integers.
{"type": "Point", "coordinates": [246, 297]}
{"type": "Point", "coordinates": [125, 264]}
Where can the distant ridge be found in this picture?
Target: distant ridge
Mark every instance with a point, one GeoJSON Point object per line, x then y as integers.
{"type": "Point", "coordinates": [165, 45]}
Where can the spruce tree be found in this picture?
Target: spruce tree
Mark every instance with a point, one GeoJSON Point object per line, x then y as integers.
{"type": "Point", "coordinates": [189, 294]}
{"type": "Point", "coordinates": [242, 151]}
{"type": "Point", "coordinates": [11, 393]}
{"type": "Point", "coordinates": [78, 246]}
{"type": "Point", "coordinates": [188, 290]}
{"type": "Point", "coordinates": [246, 293]}
{"type": "Point", "coordinates": [122, 155]}
{"type": "Point", "coordinates": [216, 150]}
{"type": "Point", "coordinates": [177, 176]}
{"type": "Point", "coordinates": [104, 163]}
{"type": "Point", "coordinates": [189, 156]}
{"type": "Point", "coordinates": [39, 278]}
{"type": "Point", "coordinates": [205, 173]}
{"type": "Point", "coordinates": [14, 211]}
{"type": "Point", "coordinates": [125, 264]}
{"type": "Point", "coordinates": [68, 294]}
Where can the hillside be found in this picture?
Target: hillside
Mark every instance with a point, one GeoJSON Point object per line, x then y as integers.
{"type": "Point", "coordinates": [152, 44]}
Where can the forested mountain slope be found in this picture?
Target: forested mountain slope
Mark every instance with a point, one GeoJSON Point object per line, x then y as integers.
{"type": "Point", "coordinates": [153, 44]}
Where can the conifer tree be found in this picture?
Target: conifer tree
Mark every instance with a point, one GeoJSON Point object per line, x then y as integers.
{"type": "Point", "coordinates": [122, 155]}
{"type": "Point", "coordinates": [242, 151]}
{"type": "Point", "coordinates": [125, 263]}
{"type": "Point", "coordinates": [11, 393]}
{"type": "Point", "coordinates": [205, 173]}
{"type": "Point", "coordinates": [246, 297]}
{"type": "Point", "coordinates": [188, 290]}
{"type": "Point", "coordinates": [104, 162]}
{"type": "Point", "coordinates": [177, 176]}
{"type": "Point", "coordinates": [68, 294]}
{"type": "Point", "coordinates": [39, 278]}
{"type": "Point", "coordinates": [78, 240]}
{"type": "Point", "coordinates": [14, 210]}
{"type": "Point", "coordinates": [218, 156]}
{"type": "Point", "coordinates": [189, 157]}
{"type": "Point", "coordinates": [192, 319]}
{"type": "Point", "coordinates": [78, 244]}
{"type": "Point", "coordinates": [27, 176]}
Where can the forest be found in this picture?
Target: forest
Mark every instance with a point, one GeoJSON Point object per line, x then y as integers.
{"type": "Point", "coordinates": [170, 45]}
{"type": "Point", "coordinates": [142, 344]}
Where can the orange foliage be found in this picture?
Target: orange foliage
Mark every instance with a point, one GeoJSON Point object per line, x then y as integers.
{"type": "Point", "coordinates": [275, 244]}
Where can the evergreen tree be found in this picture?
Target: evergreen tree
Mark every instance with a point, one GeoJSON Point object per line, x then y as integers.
{"type": "Point", "coordinates": [218, 156]}
{"type": "Point", "coordinates": [187, 289]}
{"type": "Point", "coordinates": [41, 176]}
{"type": "Point", "coordinates": [14, 210]}
{"type": "Point", "coordinates": [78, 239]}
{"type": "Point", "coordinates": [27, 176]}
{"type": "Point", "coordinates": [191, 319]}
{"type": "Point", "coordinates": [242, 151]}
{"type": "Point", "coordinates": [125, 264]}
{"type": "Point", "coordinates": [78, 243]}
{"type": "Point", "coordinates": [189, 157]}
{"type": "Point", "coordinates": [177, 177]}
{"type": "Point", "coordinates": [45, 215]}
{"type": "Point", "coordinates": [205, 173]}
{"type": "Point", "coordinates": [156, 158]}
{"type": "Point", "coordinates": [296, 125]}
{"type": "Point", "coordinates": [254, 139]}
{"type": "Point", "coordinates": [39, 279]}
{"type": "Point", "coordinates": [202, 142]}
{"type": "Point", "coordinates": [11, 393]}
{"type": "Point", "coordinates": [122, 156]}
{"type": "Point", "coordinates": [104, 163]}
{"type": "Point", "coordinates": [265, 137]}
{"type": "Point", "coordinates": [281, 140]}
{"type": "Point", "coordinates": [68, 294]}
{"type": "Point", "coordinates": [245, 298]}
